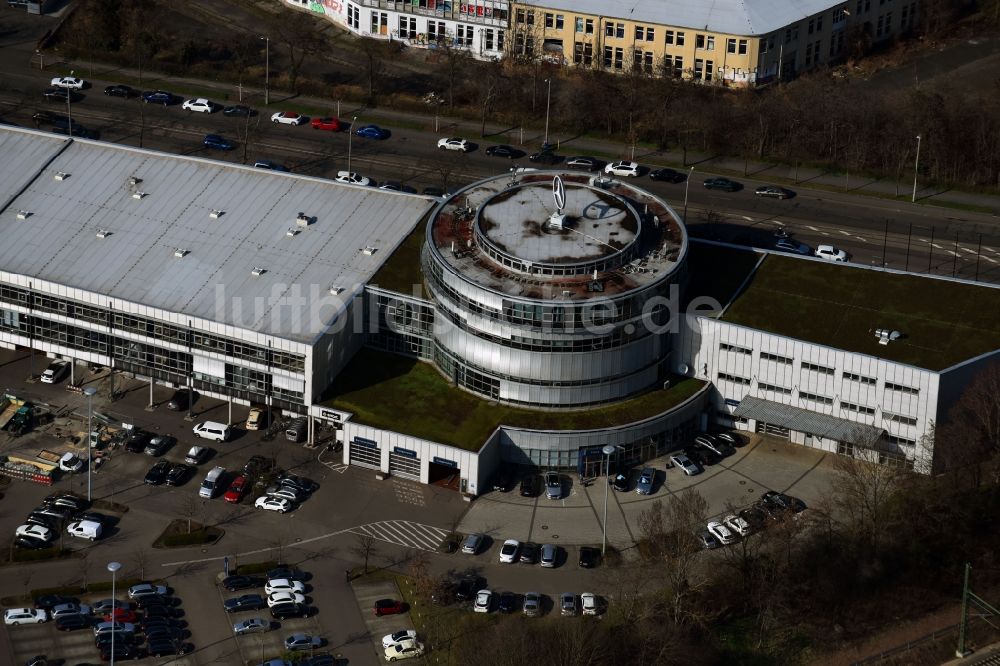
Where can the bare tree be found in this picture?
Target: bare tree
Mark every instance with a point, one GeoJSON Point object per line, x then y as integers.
{"type": "Point", "coordinates": [364, 547]}
{"type": "Point", "coordinates": [189, 507]}
{"type": "Point", "coordinates": [300, 33]}
{"type": "Point", "coordinates": [141, 558]}
{"type": "Point", "coordinates": [971, 433]}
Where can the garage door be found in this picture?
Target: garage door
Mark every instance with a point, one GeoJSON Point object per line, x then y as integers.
{"type": "Point", "coordinates": [365, 453]}
{"type": "Point", "coordinates": [404, 463]}
{"type": "Point", "coordinates": [771, 429]}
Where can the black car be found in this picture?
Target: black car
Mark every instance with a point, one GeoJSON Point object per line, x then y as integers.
{"type": "Point", "coordinates": [667, 175]}
{"type": "Point", "coordinates": [722, 184]}
{"type": "Point", "coordinates": [244, 603]}
{"type": "Point", "coordinates": [122, 652]}
{"type": "Point", "coordinates": [502, 481]}
{"type": "Point", "coordinates": [138, 441]}
{"type": "Point", "coordinates": [106, 605]}
{"type": "Point", "coordinates": [179, 400]}
{"type": "Point", "coordinates": [701, 456]}
{"type": "Point", "coordinates": [783, 501]}
{"type": "Point", "coordinates": [325, 659]}
{"type": "Point", "coordinates": [152, 625]}
{"type": "Point", "coordinates": [164, 648]}
{"type": "Point", "coordinates": [238, 111]}
{"type": "Point", "coordinates": [258, 465]}
{"type": "Point", "coordinates": [158, 97]}
{"type": "Point", "coordinates": [119, 90]}
{"type": "Point", "coordinates": [178, 474]}
{"type": "Point", "coordinates": [289, 610]}
{"type": "Point", "coordinates": [74, 502]}
{"type": "Point", "coordinates": [155, 600]}
{"type": "Point", "coordinates": [158, 611]}
{"type": "Point", "coordinates": [508, 602]}
{"type": "Point", "coordinates": [158, 473]}
{"type": "Point", "coordinates": [291, 573]}
{"type": "Point", "coordinates": [731, 438]}
{"type": "Point", "coordinates": [589, 557]}
{"type": "Point", "coordinates": [529, 552]}
{"type": "Point", "coordinates": [503, 151]}
{"type": "Point", "coordinates": [298, 484]}
{"type": "Point", "coordinates": [396, 186]}
{"type": "Point", "coordinates": [544, 157]}
{"type": "Point", "coordinates": [73, 622]}
{"type": "Point", "coordinates": [235, 583]}
{"type": "Point", "coordinates": [59, 95]}
{"type": "Point", "coordinates": [56, 513]}
{"type": "Point", "coordinates": [93, 516]}
{"type": "Point", "coordinates": [47, 601]}
{"type": "Point", "coordinates": [35, 518]}
{"type": "Point", "coordinates": [529, 486]}
{"type": "Point", "coordinates": [620, 482]}
{"type": "Point", "coordinates": [123, 638]}
{"type": "Point", "coordinates": [467, 588]}
{"type": "Point", "coordinates": [163, 633]}
{"type": "Point", "coordinates": [433, 191]}
{"type": "Point", "coordinates": [159, 445]}
{"type": "Point", "coordinates": [31, 543]}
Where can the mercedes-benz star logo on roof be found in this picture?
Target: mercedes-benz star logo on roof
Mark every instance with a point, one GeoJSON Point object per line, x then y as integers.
{"type": "Point", "coordinates": [559, 193]}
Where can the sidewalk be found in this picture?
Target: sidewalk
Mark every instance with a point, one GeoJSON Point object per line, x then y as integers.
{"type": "Point", "coordinates": [704, 164]}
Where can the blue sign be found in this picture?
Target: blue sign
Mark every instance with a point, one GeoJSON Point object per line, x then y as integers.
{"type": "Point", "coordinates": [732, 403]}
{"type": "Point", "coordinates": [445, 462]}
{"type": "Point", "coordinates": [370, 443]}
{"type": "Point", "coordinates": [404, 452]}
{"type": "Point", "coordinates": [225, 564]}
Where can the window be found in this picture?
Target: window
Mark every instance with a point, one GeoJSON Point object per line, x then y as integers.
{"type": "Point", "coordinates": [774, 389]}
{"type": "Point", "coordinates": [821, 399]}
{"type": "Point", "coordinates": [620, 30]}
{"type": "Point", "coordinates": [549, 20]}
{"type": "Point", "coordinates": [817, 368]}
{"type": "Point", "coordinates": [819, 24]}
{"type": "Point", "coordinates": [725, 346]}
{"type": "Point", "coordinates": [407, 27]}
{"type": "Point", "coordinates": [463, 35]}
{"type": "Point", "coordinates": [706, 42]}
{"type": "Point", "coordinates": [811, 26]}
{"type": "Point", "coordinates": [519, 16]}
{"type": "Point", "coordinates": [902, 389]}
{"type": "Point", "coordinates": [900, 441]}
{"type": "Point", "coordinates": [861, 379]}
{"type": "Point", "coordinates": [353, 17]}
{"type": "Point", "coordinates": [589, 23]}
{"type": "Point", "coordinates": [380, 22]}
{"type": "Point", "coordinates": [488, 43]}
{"type": "Point", "coordinates": [680, 38]}
{"type": "Point", "coordinates": [699, 67]}
{"type": "Point", "coordinates": [730, 45]}
{"type": "Point", "coordinates": [619, 58]}
{"type": "Point", "coordinates": [435, 30]}
{"type": "Point", "coordinates": [609, 29]}
{"type": "Point", "coordinates": [888, 22]}
{"type": "Point", "coordinates": [530, 17]}
{"type": "Point", "coordinates": [640, 33]}
{"type": "Point", "coordinates": [768, 356]}
{"type": "Point", "coordinates": [583, 53]}
{"type": "Point", "coordinates": [669, 37]}
{"type": "Point", "coordinates": [743, 47]}
{"type": "Point", "coordinates": [673, 66]}
{"type": "Point", "coordinates": [899, 418]}
{"type": "Point", "coordinates": [879, 28]}
{"type": "Point", "coordinates": [649, 34]}
{"type": "Point", "coordinates": [578, 26]}
{"type": "Point", "coordinates": [845, 448]}
{"type": "Point", "coordinates": [860, 409]}
{"type": "Point", "coordinates": [734, 379]}
{"type": "Point", "coordinates": [607, 56]}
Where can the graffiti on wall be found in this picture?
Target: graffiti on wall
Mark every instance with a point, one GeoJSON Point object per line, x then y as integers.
{"type": "Point", "coordinates": [328, 7]}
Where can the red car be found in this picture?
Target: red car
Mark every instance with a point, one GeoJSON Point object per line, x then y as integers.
{"type": "Point", "coordinates": [332, 124]}
{"type": "Point", "coordinates": [236, 489]}
{"type": "Point", "coordinates": [389, 607]}
{"type": "Point", "coordinates": [122, 615]}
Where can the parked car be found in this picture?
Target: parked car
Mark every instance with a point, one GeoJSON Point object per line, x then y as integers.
{"type": "Point", "coordinates": [396, 186]}
{"type": "Point", "coordinates": [484, 601]}
{"type": "Point", "coordinates": [254, 625]}
{"type": "Point", "coordinates": [289, 493]}
{"type": "Point", "coordinates": [622, 168]}
{"type": "Point", "coordinates": [507, 602]}
{"type": "Point", "coordinates": [299, 483]}
{"type": "Point", "coordinates": [433, 192]}
{"type": "Point", "coordinates": [467, 588]}
{"type": "Point", "coordinates": [783, 501]}
{"type": "Point", "coordinates": [529, 552]}
{"type": "Point", "coordinates": [237, 489]}
{"type": "Point", "coordinates": [714, 444]}
{"type": "Point", "coordinates": [408, 649]}
{"type": "Point", "coordinates": [685, 464]}
{"type": "Point", "coordinates": [256, 419]}
{"type": "Point", "coordinates": [68, 82]}
{"type": "Point", "coordinates": [550, 555]}
{"type": "Point", "coordinates": [508, 552]}
{"type": "Point", "coordinates": [122, 615]}
{"type": "Point", "coordinates": [157, 474]}
{"type": "Point", "coordinates": [502, 481]}
{"type": "Point", "coordinates": [647, 478]}
{"type": "Point", "coordinates": [737, 525]}
{"type": "Point", "coordinates": [146, 589]}
{"type": "Point", "coordinates": [303, 642]}
{"type": "Point", "coordinates": [830, 253]}
{"type": "Point", "coordinates": [119, 90]}
{"type": "Point", "coordinates": [279, 504]}
{"type": "Point", "coordinates": [160, 445]}
{"type": "Point", "coordinates": [584, 162]}
{"type": "Point", "coordinates": [137, 441]}
{"type": "Point", "coordinates": [201, 105]}
{"type": "Point", "coordinates": [198, 454]}
{"type": "Point", "coordinates": [238, 111]}
{"type": "Point", "coordinates": [707, 540]}
{"type": "Point", "coordinates": [567, 604]}
{"type": "Point", "coordinates": [179, 473]}
{"type": "Point", "coordinates": [721, 532]}
{"type": "Point", "coordinates": [588, 601]}
{"type": "Point", "coordinates": [454, 144]}
{"type": "Point", "coordinates": [352, 178]}
{"type": "Point", "coordinates": [105, 605]}
{"type": "Point", "coordinates": [56, 372]}
{"type": "Point", "coordinates": [70, 608]}
{"type": "Point", "coordinates": [216, 142]}
{"type": "Point", "coordinates": [589, 557]}
{"type": "Point", "coordinates": [268, 164]}
{"type": "Point", "coordinates": [529, 487]}
{"type": "Point", "coordinates": [66, 500]}
{"type": "Point", "coordinates": [15, 616]}
{"type": "Point", "coordinates": [773, 192]}
{"type": "Point", "coordinates": [32, 531]}
{"type": "Point", "coordinates": [288, 118]}
{"type": "Point", "coordinates": [60, 95]}
{"type": "Point", "coordinates": [289, 611]}
{"type": "Point", "coordinates": [792, 246]}
{"type": "Point", "coordinates": [74, 622]}
{"type": "Point", "coordinates": [276, 598]}
{"type": "Point", "coordinates": [553, 486]}
{"type": "Point", "coordinates": [244, 602]}
{"type": "Point", "coordinates": [731, 438]}
{"type": "Point", "coordinates": [284, 585]}
{"type": "Point", "coordinates": [326, 123]}
{"type": "Point", "coordinates": [291, 573]}
{"type": "Point", "coordinates": [620, 482]}
{"type": "Point", "coordinates": [236, 583]}
{"type": "Point", "coordinates": [722, 184]}
{"type": "Point", "coordinates": [472, 544]}
{"type": "Point", "coordinates": [372, 132]}
{"type": "Point", "coordinates": [544, 157]}
{"type": "Point", "coordinates": [532, 605]}
{"type": "Point", "coordinates": [389, 607]}
{"type": "Point", "coordinates": [667, 175]}
{"type": "Point", "coordinates": [158, 97]}
{"type": "Point", "coordinates": [398, 637]}
{"type": "Point", "coordinates": [504, 151]}
{"type": "Point", "coordinates": [30, 543]}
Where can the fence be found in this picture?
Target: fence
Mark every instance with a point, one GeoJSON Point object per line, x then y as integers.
{"type": "Point", "coordinates": [934, 636]}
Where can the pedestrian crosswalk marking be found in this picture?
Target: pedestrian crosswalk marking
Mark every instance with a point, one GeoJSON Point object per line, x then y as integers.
{"type": "Point", "coordinates": [404, 533]}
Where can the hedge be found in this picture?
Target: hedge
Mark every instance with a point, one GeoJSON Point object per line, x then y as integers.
{"type": "Point", "coordinates": [53, 553]}
{"type": "Point", "coordinates": [255, 568]}
{"type": "Point", "coordinates": [196, 538]}
{"type": "Point", "coordinates": [74, 590]}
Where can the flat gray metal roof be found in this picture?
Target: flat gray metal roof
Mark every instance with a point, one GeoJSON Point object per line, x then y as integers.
{"type": "Point", "coordinates": [352, 231]}
{"type": "Point", "coordinates": [804, 420]}
{"type": "Point", "coordinates": [731, 17]}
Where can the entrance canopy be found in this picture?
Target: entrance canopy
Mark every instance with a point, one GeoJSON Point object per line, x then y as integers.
{"type": "Point", "coordinates": [803, 420]}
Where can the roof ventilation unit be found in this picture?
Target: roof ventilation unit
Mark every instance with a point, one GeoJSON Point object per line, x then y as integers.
{"type": "Point", "coordinates": [133, 181]}
{"type": "Point", "coordinates": [369, 250]}
{"type": "Point", "coordinates": [138, 194]}
{"type": "Point", "coordinates": [103, 233]}
{"type": "Point", "coordinates": [216, 214]}
{"type": "Point", "coordinates": [336, 291]}
{"type": "Point", "coordinates": [23, 214]}
{"type": "Point", "coordinates": [257, 271]}
{"type": "Point", "coordinates": [885, 336]}
{"type": "Point", "coordinates": [303, 220]}
{"type": "Point", "coordinates": [292, 231]}
{"type": "Point", "coordinates": [180, 252]}
{"type": "Point", "coordinates": [61, 175]}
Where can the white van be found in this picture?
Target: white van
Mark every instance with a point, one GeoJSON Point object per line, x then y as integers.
{"type": "Point", "coordinates": [88, 529]}
{"type": "Point", "coordinates": [213, 430]}
{"type": "Point", "coordinates": [212, 483]}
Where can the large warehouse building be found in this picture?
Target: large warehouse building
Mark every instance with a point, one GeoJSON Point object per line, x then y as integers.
{"type": "Point", "coordinates": [529, 319]}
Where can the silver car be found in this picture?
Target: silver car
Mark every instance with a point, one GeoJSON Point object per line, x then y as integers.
{"type": "Point", "coordinates": [252, 626]}
{"type": "Point", "coordinates": [472, 544]}
{"type": "Point", "coordinates": [532, 604]}
{"type": "Point", "coordinates": [567, 604]}
{"type": "Point", "coordinates": [553, 486]}
{"type": "Point", "coordinates": [647, 477]}
{"type": "Point", "coordinates": [549, 553]}
{"type": "Point", "coordinates": [685, 464]}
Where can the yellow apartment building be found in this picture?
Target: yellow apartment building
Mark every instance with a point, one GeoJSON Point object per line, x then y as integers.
{"type": "Point", "coordinates": [725, 42]}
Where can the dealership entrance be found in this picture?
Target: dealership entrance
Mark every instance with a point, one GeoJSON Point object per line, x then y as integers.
{"type": "Point", "coordinates": [444, 473]}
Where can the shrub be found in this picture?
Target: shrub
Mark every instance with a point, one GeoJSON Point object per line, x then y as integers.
{"type": "Point", "coordinates": [196, 538]}
{"type": "Point", "coordinates": [41, 554]}
{"type": "Point", "coordinates": [255, 567]}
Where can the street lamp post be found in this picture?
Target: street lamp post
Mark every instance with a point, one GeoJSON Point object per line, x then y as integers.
{"type": "Point", "coordinates": [113, 567]}
{"type": "Point", "coordinates": [607, 451]}
{"type": "Point", "coordinates": [267, 69]}
{"type": "Point", "coordinates": [349, 137]}
{"type": "Point", "coordinates": [687, 186]}
{"type": "Point", "coordinates": [916, 171]}
{"type": "Point", "coordinates": [69, 106]}
{"type": "Point", "coordinates": [548, 101]}
{"type": "Point", "coordinates": [89, 392]}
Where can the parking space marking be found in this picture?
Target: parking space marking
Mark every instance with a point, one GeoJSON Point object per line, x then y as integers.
{"type": "Point", "coordinates": [409, 494]}
{"type": "Point", "coordinates": [404, 533]}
